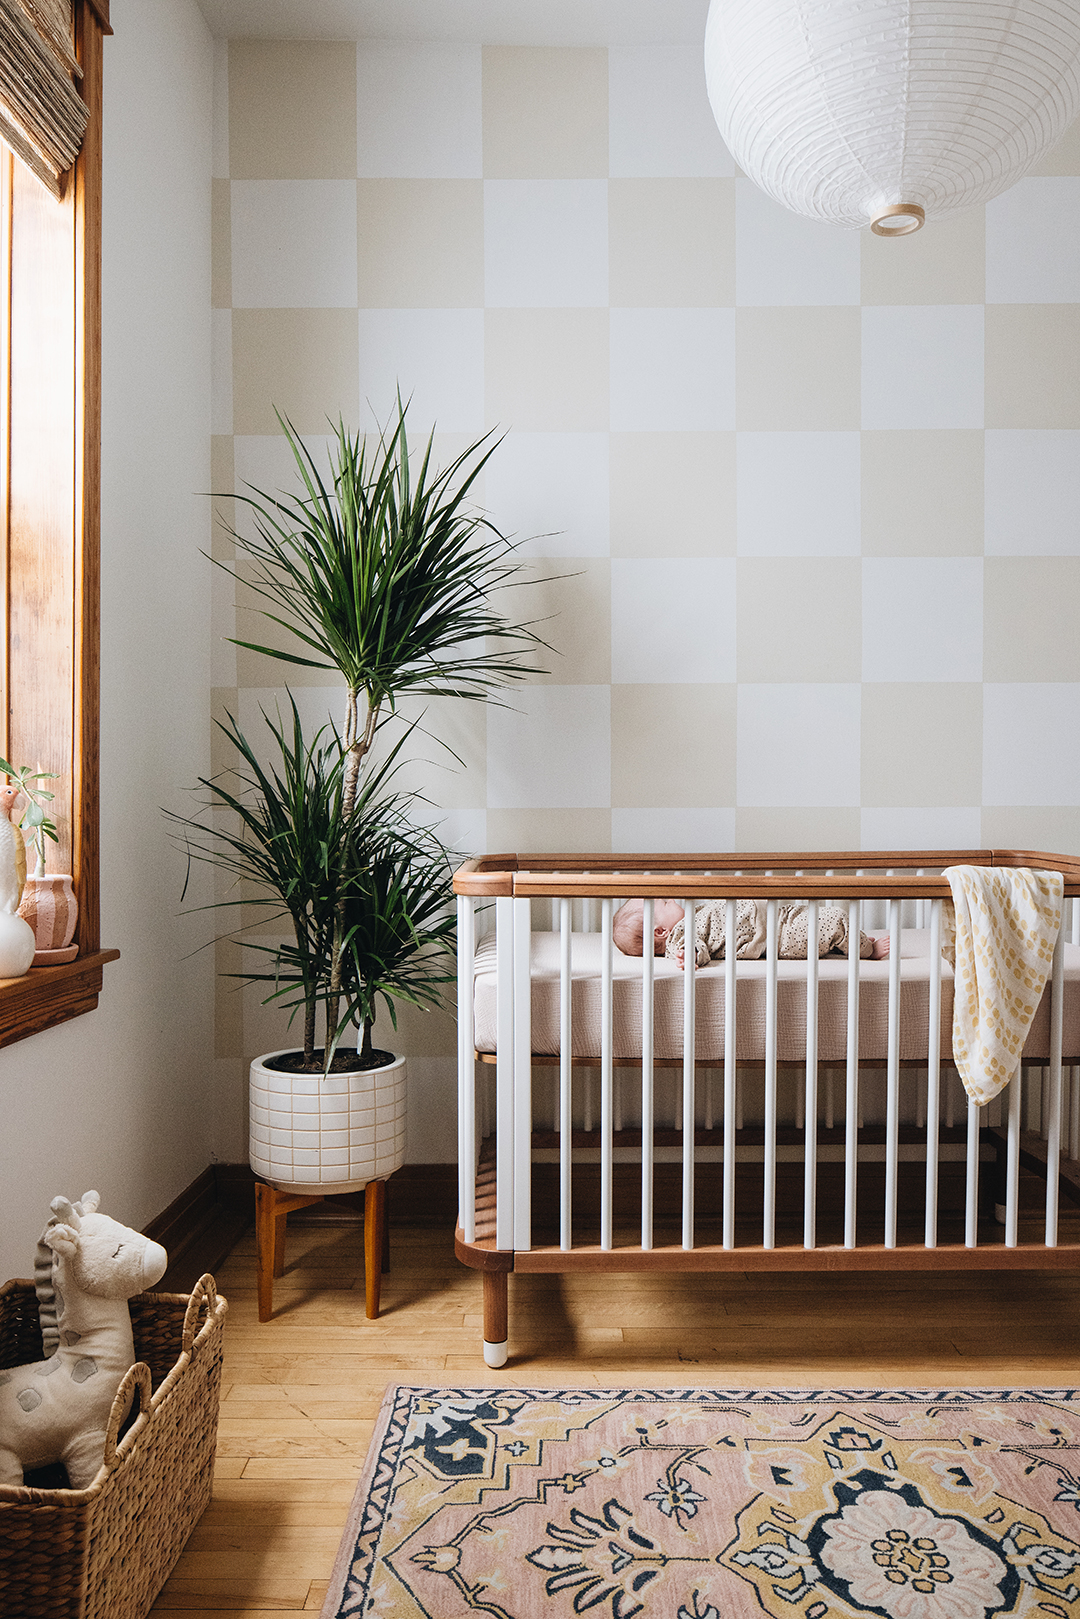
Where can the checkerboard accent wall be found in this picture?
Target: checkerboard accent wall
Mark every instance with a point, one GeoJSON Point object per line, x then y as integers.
{"type": "Point", "coordinates": [807, 502]}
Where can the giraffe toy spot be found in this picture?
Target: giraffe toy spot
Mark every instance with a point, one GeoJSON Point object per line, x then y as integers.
{"type": "Point", "coordinates": [83, 1369]}
{"type": "Point", "coordinates": [47, 1368]}
{"type": "Point", "coordinates": [29, 1399]}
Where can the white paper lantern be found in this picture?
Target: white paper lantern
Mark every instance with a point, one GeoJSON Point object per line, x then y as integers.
{"type": "Point", "coordinates": [884, 112]}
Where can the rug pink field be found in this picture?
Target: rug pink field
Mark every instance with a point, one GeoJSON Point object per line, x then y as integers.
{"type": "Point", "coordinates": [715, 1504]}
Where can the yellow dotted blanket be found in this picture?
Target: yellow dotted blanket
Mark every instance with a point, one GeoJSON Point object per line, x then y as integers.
{"type": "Point", "coordinates": [999, 934]}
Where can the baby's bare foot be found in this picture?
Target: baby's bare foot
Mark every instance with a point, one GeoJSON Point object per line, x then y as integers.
{"type": "Point", "coordinates": [881, 947]}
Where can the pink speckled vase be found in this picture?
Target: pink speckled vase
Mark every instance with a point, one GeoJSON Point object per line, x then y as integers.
{"type": "Point", "coordinates": [49, 905]}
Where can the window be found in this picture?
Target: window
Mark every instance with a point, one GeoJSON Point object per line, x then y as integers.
{"type": "Point", "coordinates": [49, 500]}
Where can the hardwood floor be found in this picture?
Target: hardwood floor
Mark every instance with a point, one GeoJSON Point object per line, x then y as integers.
{"type": "Point", "coordinates": [300, 1393]}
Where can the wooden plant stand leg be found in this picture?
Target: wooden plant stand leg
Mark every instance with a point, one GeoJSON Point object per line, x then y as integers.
{"type": "Point", "coordinates": [272, 1208]}
{"type": "Point", "coordinates": [375, 1229]}
{"type": "Point", "coordinates": [496, 1330]}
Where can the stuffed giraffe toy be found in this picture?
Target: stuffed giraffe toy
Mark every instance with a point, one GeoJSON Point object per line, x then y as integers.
{"type": "Point", "coordinates": [57, 1409]}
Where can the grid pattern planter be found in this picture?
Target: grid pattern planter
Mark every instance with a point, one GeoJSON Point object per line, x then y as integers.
{"type": "Point", "coordinates": [328, 1135]}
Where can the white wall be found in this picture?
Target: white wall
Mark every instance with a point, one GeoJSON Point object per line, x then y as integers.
{"type": "Point", "coordinates": [119, 1099]}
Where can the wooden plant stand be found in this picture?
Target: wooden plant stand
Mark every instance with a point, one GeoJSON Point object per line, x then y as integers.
{"type": "Point", "coordinates": [271, 1210]}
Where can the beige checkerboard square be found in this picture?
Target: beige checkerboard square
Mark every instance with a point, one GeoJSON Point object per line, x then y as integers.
{"type": "Point", "coordinates": [672, 746]}
{"type": "Point", "coordinates": [546, 370]}
{"type": "Point", "coordinates": [303, 361]}
{"type": "Point", "coordinates": [223, 700]}
{"type": "Point", "coordinates": [256, 669]}
{"type": "Point", "coordinates": [578, 831]}
{"type": "Point", "coordinates": [1054, 829]}
{"type": "Point", "coordinates": [672, 242]}
{"type": "Point", "coordinates": [672, 494]}
{"type": "Point", "coordinates": [446, 758]}
{"type": "Point", "coordinates": [943, 264]}
{"type": "Point", "coordinates": [220, 245]}
{"type": "Point", "coordinates": [799, 618]}
{"type": "Point", "coordinates": [1033, 365]}
{"type": "Point", "coordinates": [922, 492]}
{"type": "Point", "coordinates": [420, 244]}
{"type": "Point", "coordinates": [545, 113]}
{"type": "Point", "coordinates": [1064, 158]}
{"type": "Point", "coordinates": [274, 88]}
{"type": "Point", "coordinates": [568, 600]}
{"type": "Point", "coordinates": [228, 1006]}
{"type": "Point", "coordinates": [796, 829]}
{"type": "Point", "coordinates": [797, 369]}
{"type": "Point", "coordinates": [221, 482]}
{"type": "Point", "coordinates": [1031, 609]}
{"type": "Point", "coordinates": [921, 744]}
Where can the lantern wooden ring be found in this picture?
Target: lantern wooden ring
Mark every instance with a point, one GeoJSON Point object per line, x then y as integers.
{"type": "Point", "coordinates": [913, 216]}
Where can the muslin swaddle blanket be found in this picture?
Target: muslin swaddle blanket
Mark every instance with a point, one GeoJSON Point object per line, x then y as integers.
{"type": "Point", "coordinates": [999, 935]}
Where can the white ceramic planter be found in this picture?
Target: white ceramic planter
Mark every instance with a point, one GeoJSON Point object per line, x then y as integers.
{"type": "Point", "coordinates": [309, 1134]}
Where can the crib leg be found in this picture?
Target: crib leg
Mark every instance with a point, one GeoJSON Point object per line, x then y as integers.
{"type": "Point", "coordinates": [496, 1332]}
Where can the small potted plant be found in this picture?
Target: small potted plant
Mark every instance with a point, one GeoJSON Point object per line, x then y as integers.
{"type": "Point", "coordinates": [48, 902]}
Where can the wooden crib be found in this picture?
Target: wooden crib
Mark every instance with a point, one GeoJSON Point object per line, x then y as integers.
{"type": "Point", "coordinates": [617, 1113]}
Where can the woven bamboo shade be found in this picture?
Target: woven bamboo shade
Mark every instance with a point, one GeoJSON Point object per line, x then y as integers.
{"type": "Point", "coordinates": [42, 115]}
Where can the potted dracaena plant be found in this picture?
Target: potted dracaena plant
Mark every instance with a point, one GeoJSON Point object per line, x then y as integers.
{"type": "Point", "coordinates": [381, 573]}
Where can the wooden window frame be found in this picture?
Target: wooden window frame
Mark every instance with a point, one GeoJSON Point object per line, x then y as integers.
{"type": "Point", "coordinates": [50, 501]}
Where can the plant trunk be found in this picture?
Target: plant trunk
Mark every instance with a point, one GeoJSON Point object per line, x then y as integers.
{"type": "Point", "coordinates": [355, 751]}
{"type": "Point", "coordinates": [309, 1033]}
{"type": "Point", "coordinates": [365, 1044]}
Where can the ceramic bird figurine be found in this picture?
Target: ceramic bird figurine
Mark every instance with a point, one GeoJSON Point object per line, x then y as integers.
{"type": "Point", "coordinates": [9, 796]}
{"type": "Point", "coordinates": [17, 942]}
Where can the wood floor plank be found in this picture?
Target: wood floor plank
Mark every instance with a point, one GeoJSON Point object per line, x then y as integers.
{"type": "Point", "coordinates": [302, 1392]}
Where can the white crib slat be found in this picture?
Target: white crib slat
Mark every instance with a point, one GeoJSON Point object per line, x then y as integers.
{"type": "Point", "coordinates": [1053, 1134]}
{"type": "Point", "coordinates": [768, 1233]}
{"type": "Point", "coordinates": [504, 1072]}
{"type": "Point", "coordinates": [689, 1041]}
{"type": "Point", "coordinates": [648, 1094]}
{"type": "Point", "coordinates": [566, 1071]}
{"type": "Point", "coordinates": [933, 1075]}
{"type": "Point", "coordinates": [1012, 1159]}
{"type": "Point", "coordinates": [606, 1070]}
{"type": "Point", "coordinates": [522, 1125]}
{"type": "Point", "coordinates": [466, 949]}
{"type": "Point", "coordinates": [730, 1071]}
{"type": "Point", "coordinates": [971, 1201]}
{"type": "Point", "coordinates": [851, 1101]}
{"type": "Point", "coordinates": [892, 1105]}
{"type": "Point", "coordinates": [811, 1109]}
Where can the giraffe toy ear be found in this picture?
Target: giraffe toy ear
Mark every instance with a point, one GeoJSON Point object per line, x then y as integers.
{"type": "Point", "coordinates": [88, 1203]}
{"type": "Point", "coordinates": [64, 1213]}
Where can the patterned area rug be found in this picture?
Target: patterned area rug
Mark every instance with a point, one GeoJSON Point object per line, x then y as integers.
{"type": "Point", "coordinates": [714, 1504]}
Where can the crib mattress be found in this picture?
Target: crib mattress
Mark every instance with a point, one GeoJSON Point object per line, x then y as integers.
{"type": "Point", "coordinates": [750, 1005]}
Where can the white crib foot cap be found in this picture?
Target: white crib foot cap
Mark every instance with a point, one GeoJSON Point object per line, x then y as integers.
{"type": "Point", "coordinates": [495, 1354]}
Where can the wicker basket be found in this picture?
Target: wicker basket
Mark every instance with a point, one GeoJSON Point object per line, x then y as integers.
{"type": "Point", "coordinates": [106, 1551]}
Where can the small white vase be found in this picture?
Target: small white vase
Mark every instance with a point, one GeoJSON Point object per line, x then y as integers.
{"type": "Point", "coordinates": [17, 946]}
{"type": "Point", "coordinates": [310, 1134]}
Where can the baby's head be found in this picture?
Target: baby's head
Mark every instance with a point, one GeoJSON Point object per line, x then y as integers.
{"type": "Point", "coordinates": [629, 925]}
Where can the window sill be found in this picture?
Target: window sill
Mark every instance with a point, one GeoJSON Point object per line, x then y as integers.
{"type": "Point", "coordinates": [46, 996]}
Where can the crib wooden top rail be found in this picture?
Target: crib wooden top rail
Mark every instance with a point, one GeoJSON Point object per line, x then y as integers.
{"type": "Point", "coordinates": [712, 876]}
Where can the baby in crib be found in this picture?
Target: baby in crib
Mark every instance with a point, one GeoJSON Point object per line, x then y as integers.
{"type": "Point", "coordinates": [750, 931]}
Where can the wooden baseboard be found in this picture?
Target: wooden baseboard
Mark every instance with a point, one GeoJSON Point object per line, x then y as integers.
{"type": "Point", "coordinates": [198, 1230]}
{"type": "Point", "coordinates": [201, 1227]}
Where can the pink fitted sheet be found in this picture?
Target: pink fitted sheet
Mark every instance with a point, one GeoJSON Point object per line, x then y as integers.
{"type": "Point", "coordinates": [750, 1005]}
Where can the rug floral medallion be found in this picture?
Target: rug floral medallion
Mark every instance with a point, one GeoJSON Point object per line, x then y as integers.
{"type": "Point", "coordinates": [713, 1504]}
